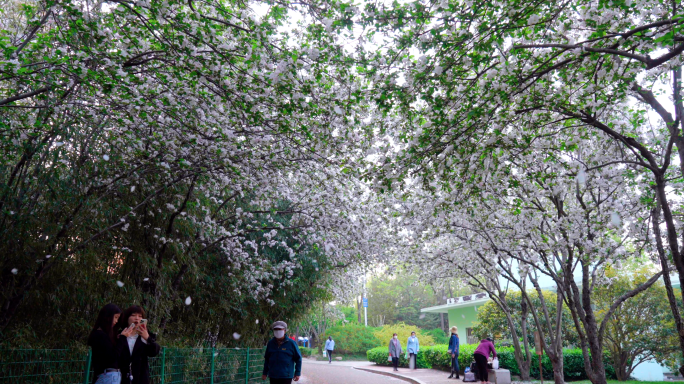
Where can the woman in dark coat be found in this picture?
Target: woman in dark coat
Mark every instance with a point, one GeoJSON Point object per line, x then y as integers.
{"type": "Point", "coordinates": [141, 344]}
{"type": "Point", "coordinates": [106, 347]}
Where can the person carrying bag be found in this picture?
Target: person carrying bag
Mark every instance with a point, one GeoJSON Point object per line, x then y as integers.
{"type": "Point", "coordinates": [394, 351]}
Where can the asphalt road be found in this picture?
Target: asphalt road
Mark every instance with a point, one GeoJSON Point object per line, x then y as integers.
{"type": "Point", "coordinates": [316, 373]}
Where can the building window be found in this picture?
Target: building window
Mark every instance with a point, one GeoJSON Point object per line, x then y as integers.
{"type": "Point", "coordinates": [470, 338]}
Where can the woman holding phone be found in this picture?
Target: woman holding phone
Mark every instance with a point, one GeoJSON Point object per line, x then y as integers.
{"type": "Point", "coordinates": [141, 344]}
{"type": "Point", "coordinates": [106, 347]}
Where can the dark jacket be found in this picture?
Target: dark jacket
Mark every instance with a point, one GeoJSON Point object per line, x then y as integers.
{"type": "Point", "coordinates": [280, 361]}
{"type": "Point", "coordinates": [453, 344]}
{"type": "Point", "coordinates": [138, 362]}
{"type": "Point", "coordinates": [105, 354]}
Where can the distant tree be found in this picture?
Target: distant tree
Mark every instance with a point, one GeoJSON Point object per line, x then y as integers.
{"type": "Point", "coordinates": [492, 320]}
{"type": "Point", "coordinates": [640, 329]}
{"type": "Point", "coordinates": [399, 298]}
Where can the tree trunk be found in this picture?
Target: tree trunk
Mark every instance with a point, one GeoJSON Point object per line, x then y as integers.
{"type": "Point", "coordinates": [557, 365]}
{"type": "Point", "coordinates": [620, 365]}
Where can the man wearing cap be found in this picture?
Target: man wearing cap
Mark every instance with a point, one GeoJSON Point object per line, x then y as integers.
{"type": "Point", "coordinates": [282, 360]}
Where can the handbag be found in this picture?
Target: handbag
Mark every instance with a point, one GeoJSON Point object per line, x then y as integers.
{"type": "Point", "coordinates": [495, 363]}
{"type": "Point", "coordinates": [389, 358]}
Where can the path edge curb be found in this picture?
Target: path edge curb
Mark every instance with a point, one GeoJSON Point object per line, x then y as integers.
{"type": "Point", "coordinates": [391, 374]}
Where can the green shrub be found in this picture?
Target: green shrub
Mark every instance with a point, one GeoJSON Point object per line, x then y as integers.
{"type": "Point", "coordinates": [403, 332]}
{"type": "Point", "coordinates": [379, 356]}
{"type": "Point", "coordinates": [573, 362]}
{"type": "Point", "coordinates": [352, 338]}
{"type": "Point", "coordinates": [306, 352]}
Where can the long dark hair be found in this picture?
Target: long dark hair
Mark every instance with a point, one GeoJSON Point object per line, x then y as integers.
{"type": "Point", "coordinates": [105, 320]}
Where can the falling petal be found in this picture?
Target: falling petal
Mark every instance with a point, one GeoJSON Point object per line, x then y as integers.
{"type": "Point", "coordinates": [119, 283]}
{"type": "Point", "coordinates": [581, 176]}
{"type": "Point", "coordinates": [615, 219]}
{"type": "Point", "coordinates": [106, 157]}
{"type": "Point", "coordinates": [257, 321]}
{"type": "Point", "coordinates": [15, 271]}
{"type": "Point", "coordinates": [236, 336]}
{"type": "Point", "coordinates": [146, 279]}
{"type": "Point", "coordinates": [133, 188]}
{"type": "Point", "coordinates": [48, 256]}
{"type": "Point", "coordinates": [188, 300]}
{"type": "Point", "coordinates": [463, 316]}
{"type": "Point", "coordinates": [422, 316]}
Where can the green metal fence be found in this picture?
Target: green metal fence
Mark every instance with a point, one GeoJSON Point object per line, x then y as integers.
{"type": "Point", "coordinates": [172, 366]}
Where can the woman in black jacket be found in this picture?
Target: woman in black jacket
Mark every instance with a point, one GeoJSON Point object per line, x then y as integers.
{"type": "Point", "coordinates": [139, 346]}
{"type": "Point", "coordinates": [106, 347]}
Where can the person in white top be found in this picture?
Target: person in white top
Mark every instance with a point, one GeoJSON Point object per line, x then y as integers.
{"type": "Point", "coordinates": [133, 361]}
{"type": "Point", "coordinates": [329, 347]}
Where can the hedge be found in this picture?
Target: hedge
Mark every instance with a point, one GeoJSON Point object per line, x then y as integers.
{"type": "Point", "coordinates": [436, 356]}
{"type": "Point", "coordinates": [306, 352]}
{"type": "Point", "coordinates": [379, 356]}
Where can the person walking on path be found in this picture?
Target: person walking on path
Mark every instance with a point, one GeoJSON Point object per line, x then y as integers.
{"type": "Point", "coordinates": [481, 356]}
{"type": "Point", "coordinates": [453, 350]}
{"type": "Point", "coordinates": [329, 347]}
{"type": "Point", "coordinates": [412, 347]}
{"type": "Point", "coordinates": [134, 363]}
{"type": "Point", "coordinates": [395, 351]}
{"type": "Point", "coordinates": [106, 347]}
{"type": "Point", "coordinates": [282, 359]}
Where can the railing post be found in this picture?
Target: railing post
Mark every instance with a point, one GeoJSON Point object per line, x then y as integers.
{"type": "Point", "coordinates": [213, 353]}
{"type": "Point", "coordinates": [163, 370]}
{"type": "Point", "coordinates": [88, 361]}
{"type": "Point", "coordinates": [247, 368]}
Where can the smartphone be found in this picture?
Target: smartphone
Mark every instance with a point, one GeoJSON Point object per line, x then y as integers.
{"type": "Point", "coordinates": [142, 321]}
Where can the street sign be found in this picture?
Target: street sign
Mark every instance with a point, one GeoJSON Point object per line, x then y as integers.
{"type": "Point", "coordinates": [365, 302]}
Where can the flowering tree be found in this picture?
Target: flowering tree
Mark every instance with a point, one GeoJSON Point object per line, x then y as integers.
{"type": "Point", "coordinates": [472, 79]}
{"type": "Point", "coordinates": [159, 139]}
{"type": "Point", "coordinates": [537, 213]}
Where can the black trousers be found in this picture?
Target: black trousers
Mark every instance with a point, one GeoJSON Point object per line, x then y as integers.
{"type": "Point", "coordinates": [481, 362]}
{"type": "Point", "coordinates": [395, 362]}
{"type": "Point", "coordinates": [329, 354]}
{"type": "Point", "coordinates": [281, 381]}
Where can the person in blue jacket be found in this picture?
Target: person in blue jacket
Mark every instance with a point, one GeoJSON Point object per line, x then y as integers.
{"type": "Point", "coordinates": [412, 347]}
{"type": "Point", "coordinates": [453, 350]}
{"type": "Point", "coordinates": [282, 359]}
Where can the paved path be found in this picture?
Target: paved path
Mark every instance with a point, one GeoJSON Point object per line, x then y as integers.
{"type": "Point", "coordinates": [361, 372]}
{"type": "Point", "coordinates": [417, 376]}
{"type": "Point", "coordinates": [314, 372]}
